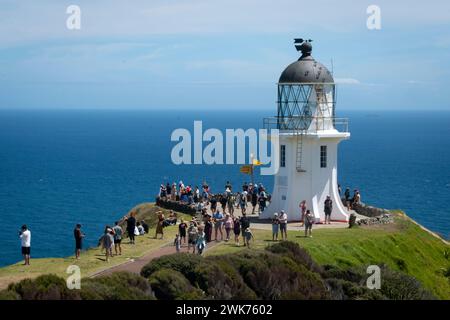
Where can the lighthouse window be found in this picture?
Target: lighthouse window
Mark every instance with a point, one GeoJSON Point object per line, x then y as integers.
{"type": "Point", "coordinates": [282, 156]}
{"type": "Point", "coordinates": [323, 156]}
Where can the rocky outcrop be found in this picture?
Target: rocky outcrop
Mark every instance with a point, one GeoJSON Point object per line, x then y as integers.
{"type": "Point", "coordinates": [383, 219]}
{"type": "Point", "coordinates": [368, 211]}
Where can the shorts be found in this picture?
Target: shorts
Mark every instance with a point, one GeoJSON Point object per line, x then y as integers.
{"type": "Point", "coordinates": [218, 225]}
{"type": "Point", "coordinates": [26, 250]}
{"type": "Point", "coordinates": [117, 241]}
{"type": "Point", "coordinates": [283, 226]}
{"type": "Point", "coordinates": [327, 213]}
{"type": "Point", "coordinates": [308, 226]}
{"type": "Point", "coordinates": [78, 245]}
{"type": "Point", "coordinates": [275, 228]}
{"type": "Point", "coordinates": [192, 241]}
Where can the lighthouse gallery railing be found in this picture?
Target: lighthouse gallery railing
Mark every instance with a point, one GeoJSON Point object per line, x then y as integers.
{"type": "Point", "coordinates": [305, 123]}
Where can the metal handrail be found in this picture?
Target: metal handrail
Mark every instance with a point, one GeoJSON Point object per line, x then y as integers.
{"type": "Point", "coordinates": [303, 123]}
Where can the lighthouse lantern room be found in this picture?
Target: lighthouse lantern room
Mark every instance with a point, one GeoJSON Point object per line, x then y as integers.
{"type": "Point", "coordinates": [309, 138]}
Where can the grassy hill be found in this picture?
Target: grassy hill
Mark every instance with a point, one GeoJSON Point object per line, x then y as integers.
{"type": "Point", "coordinates": [403, 246]}
{"type": "Point", "coordinates": [92, 260]}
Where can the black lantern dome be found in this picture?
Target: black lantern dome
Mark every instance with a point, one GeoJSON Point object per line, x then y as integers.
{"type": "Point", "coordinates": [305, 69]}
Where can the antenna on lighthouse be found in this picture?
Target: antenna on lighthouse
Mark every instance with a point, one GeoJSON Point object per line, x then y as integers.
{"type": "Point", "coordinates": [303, 45]}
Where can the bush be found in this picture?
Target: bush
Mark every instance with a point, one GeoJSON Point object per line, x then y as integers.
{"type": "Point", "coordinates": [117, 286]}
{"type": "Point", "coordinates": [399, 286]}
{"type": "Point", "coordinates": [295, 252]}
{"type": "Point", "coordinates": [220, 280]}
{"type": "Point", "coordinates": [171, 285]}
{"type": "Point", "coordinates": [44, 287]}
{"type": "Point", "coordinates": [184, 263]}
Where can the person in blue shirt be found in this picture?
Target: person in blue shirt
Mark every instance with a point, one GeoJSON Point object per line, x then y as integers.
{"type": "Point", "coordinates": [218, 224]}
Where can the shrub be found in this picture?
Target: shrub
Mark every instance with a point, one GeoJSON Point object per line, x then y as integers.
{"type": "Point", "coordinates": [399, 286]}
{"type": "Point", "coordinates": [184, 263]}
{"type": "Point", "coordinates": [117, 286]}
{"type": "Point", "coordinates": [295, 252]}
{"type": "Point", "coordinates": [44, 287]}
{"type": "Point", "coordinates": [171, 285]}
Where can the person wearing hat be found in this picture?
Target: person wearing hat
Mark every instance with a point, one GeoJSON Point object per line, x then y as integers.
{"type": "Point", "coordinates": [283, 224]}
{"type": "Point", "coordinates": [108, 242]}
{"type": "Point", "coordinates": [25, 239]}
{"type": "Point", "coordinates": [275, 226]}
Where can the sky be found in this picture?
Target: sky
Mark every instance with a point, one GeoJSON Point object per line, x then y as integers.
{"type": "Point", "coordinates": [219, 55]}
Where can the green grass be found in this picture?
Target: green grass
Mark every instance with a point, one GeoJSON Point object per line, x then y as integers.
{"type": "Point", "coordinates": [92, 260]}
{"type": "Point", "coordinates": [403, 246]}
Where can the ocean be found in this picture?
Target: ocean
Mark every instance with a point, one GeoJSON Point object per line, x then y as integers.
{"type": "Point", "coordinates": [59, 168]}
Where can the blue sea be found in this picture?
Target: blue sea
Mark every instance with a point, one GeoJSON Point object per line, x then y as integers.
{"type": "Point", "coordinates": [59, 168]}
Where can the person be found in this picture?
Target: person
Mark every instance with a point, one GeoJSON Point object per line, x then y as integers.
{"type": "Point", "coordinates": [230, 203]}
{"type": "Point", "coordinates": [218, 223]}
{"type": "Point", "coordinates": [160, 225]}
{"type": "Point", "coordinates": [228, 186]}
{"type": "Point", "coordinates": [356, 197]}
{"type": "Point", "coordinates": [140, 229]}
{"type": "Point", "coordinates": [224, 201]}
{"type": "Point", "coordinates": [339, 190]}
{"type": "Point", "coordinates": [182, 227]}
{"type": "Point", "coordinates": [192, 236]}
{"type": "Point", "coordinates": [254, 199]}
{"type": "Point", "coordinates": [302, 212]}
{"type": "Point", "coordinates": [248, 235]}
{"type": "Point", "coordinates": [228, 226]}
{"type": "Point", "coordinates": [118, 232]}
{"type": "Point", "coordinates": [262, 201]}
{"type": "Point", "coordinates": [208, 227]}
{"type": "Point", "coordinates": [145, 226]}
{"type": "Point", "coordinates": [245, 223]}
{"type": "Point", "coordinates": [309, 220]}
{"type": "Point", "coordinates": [78, 240]}
{"type": "Point", "coordinates": [131, 224]}
{"type": "Point", "coordinates": [275, 226]}
{"type": "Point", "coordinates": [283, 218]}
{"type": "Point", "coordinates": [243, 201]}
{"type": "Point", "coordinates": [213, 203]}
{"type": "Point", "coordinates": [201, 241]}
{"type": "Point", "coordinates": [347, 198]}
{"type": "Point", "coordinates": [174, 192]}
{"type": "Point", "coordinates": [328, 208]}
{"type": "Point", "coordinates": [236, 230]}
{"type": "Point", "coordinates": [25, 239]}
{"type": "Point", "coordinates": [108, 241]}
{"type": "Point", "coordinates": [177, 243]}
{"type": "Point", "coordinates": [168, 191]}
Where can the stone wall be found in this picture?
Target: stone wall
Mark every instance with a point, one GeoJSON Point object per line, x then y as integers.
{"type": "Point", "coordinates": [176, 206]}
{"type": "Point", "coordinates": [368, 211]}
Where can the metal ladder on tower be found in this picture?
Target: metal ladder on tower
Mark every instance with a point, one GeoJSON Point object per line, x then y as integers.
{"type": "Point", "coordinates": [299, 153]}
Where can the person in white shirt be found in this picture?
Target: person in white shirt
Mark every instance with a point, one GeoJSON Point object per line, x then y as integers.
{"type": "Point", "coordinates": [283, 224]}
{"type": "Point", "coordinates": [25, 238]}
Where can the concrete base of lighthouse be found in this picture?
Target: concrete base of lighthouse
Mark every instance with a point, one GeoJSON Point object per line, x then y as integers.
{"type": "Point", "coordinates": [314, 183]}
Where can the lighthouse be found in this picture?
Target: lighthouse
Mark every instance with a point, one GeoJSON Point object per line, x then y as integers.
{"type": "Point", "coordinates": [309, 134]}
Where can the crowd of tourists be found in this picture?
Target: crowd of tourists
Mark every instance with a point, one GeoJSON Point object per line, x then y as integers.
{"type": "Point", "coordinates": [219, 223]}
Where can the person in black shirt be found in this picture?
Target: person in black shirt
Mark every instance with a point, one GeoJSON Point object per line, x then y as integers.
{"type": "Point", "coordinates": [145, 226]}
{"type": "Point", "coordinates": [131, 224]}
{"type": "Point", "coordinates": [245, 223]}
{"type": "Point", "coordinates": [78, 240]}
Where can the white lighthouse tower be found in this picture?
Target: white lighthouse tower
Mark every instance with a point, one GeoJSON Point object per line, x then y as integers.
{"type": "Point", "coordinates": [309, 138]}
